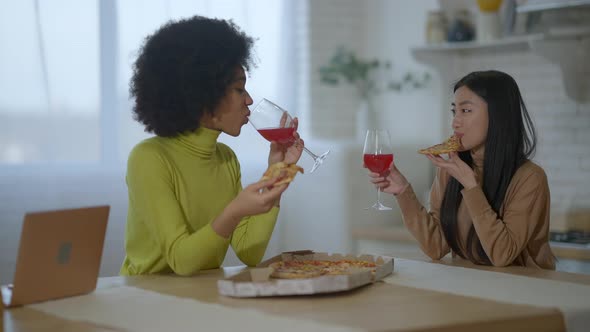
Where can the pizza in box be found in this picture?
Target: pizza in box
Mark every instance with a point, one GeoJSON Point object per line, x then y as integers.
{"type": "Point", "coordinates": [311, 268]}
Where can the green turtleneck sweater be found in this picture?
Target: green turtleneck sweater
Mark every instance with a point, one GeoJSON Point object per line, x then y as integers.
{"type": "Point", "coordinates": [177, 187]}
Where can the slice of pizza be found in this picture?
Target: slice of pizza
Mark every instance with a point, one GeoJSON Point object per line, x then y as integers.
{"type": "Point", "coordinates": [302, 269]}
{"type": "Point", "coordinates": [285, 172]}
{"type": "Point", "coordinates": [452, 144]}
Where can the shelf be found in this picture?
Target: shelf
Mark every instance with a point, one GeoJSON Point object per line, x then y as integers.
{"type": "Point", "coordinates": [567, 33]}
{"type": "Point", "coordinates": [523, 41]}
{"type": "Point", "coordinates": [516, 41]}
{"type": "Point", "coordinates": [568, 47]}
{"type": "Point", "coordinates": [536, 6]}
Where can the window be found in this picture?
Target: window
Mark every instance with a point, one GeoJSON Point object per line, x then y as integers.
{"type": "Point", "coordinates": [49, 80]}
{"type": "Point", "coordinates": [66, 64]}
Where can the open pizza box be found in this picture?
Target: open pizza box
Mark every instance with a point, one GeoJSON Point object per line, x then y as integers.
{"type": "Point", "coordinates": [257, 282]}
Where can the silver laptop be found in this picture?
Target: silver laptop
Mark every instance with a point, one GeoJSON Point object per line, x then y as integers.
{"type": "Point", "coordinates": [59, 255]}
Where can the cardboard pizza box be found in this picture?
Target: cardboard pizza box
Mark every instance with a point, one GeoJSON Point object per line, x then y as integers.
{"type": "Point", "coordinates": [256, 282]}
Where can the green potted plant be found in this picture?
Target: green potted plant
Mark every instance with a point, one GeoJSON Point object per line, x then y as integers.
{"type": "Point", "coordinates": [345, 66]}
{"type": "Point", "coordinates": [369, 76]}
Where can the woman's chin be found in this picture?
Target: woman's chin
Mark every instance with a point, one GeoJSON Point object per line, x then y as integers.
{"type": "Point", "coordinates": [464, 148]}
{"type": "Point", "coordinates": [234, 133]}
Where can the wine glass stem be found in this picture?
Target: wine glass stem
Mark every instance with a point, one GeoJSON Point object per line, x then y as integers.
{"type": "Point", "coordinates": [310, 153]}
{"type": "Point", "coordinates": [378, 196]}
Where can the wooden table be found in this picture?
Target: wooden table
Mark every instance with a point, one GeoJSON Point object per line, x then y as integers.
{"type": "Point", "coordinates": [378, 307]}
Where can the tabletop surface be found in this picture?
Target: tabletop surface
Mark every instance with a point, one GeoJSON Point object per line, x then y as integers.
{"type": "Point", "coordinates": [377, 307]}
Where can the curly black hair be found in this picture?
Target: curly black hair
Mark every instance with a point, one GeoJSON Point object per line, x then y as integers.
{"type": "Point", "coordinates": [183, 70]}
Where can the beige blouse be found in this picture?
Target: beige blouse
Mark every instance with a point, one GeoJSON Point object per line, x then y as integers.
{"type": "Point", "coordinates": [521, 237]}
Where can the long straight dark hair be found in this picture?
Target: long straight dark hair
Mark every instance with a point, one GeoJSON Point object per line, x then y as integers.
{"type": "Point", "coordinates": [510, 142]}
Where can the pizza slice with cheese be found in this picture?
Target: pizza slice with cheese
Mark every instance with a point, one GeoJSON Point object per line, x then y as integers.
{"type": "Point", "coordinates": [285, 172]}
{"type": "Point", "coordinates": [450, 145]}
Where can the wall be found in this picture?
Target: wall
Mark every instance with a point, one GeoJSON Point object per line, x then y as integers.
{"type": "Point", "coordinates": [333, 23]}
{"type": "Point", "coordinates": [374, 29]}
{"type": "Point", "coordinates": [392, 31]}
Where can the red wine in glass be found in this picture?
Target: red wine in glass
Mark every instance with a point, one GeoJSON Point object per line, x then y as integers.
{"type": "Point", "coordinates": [378, 163]}
{"type": "Point", "coordinates": [275, 124]}
{"type": "Point", "coordinates": [281, 135]}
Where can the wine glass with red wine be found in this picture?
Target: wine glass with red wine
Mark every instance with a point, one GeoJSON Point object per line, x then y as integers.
{"type": "Point", "coordinates": [276, 124]}
{"type": "Point", "coordinates": [378, 157]}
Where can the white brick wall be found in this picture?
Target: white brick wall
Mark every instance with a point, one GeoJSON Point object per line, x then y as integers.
{"type": "Point", "coordinates": [333, 23]}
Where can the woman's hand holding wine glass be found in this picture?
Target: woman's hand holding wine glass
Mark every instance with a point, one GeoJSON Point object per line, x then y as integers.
{"type": "Point", "coordinates": [288, 151]}
{"type": "Point", "coordinates": [278, 127]}
{"type": "Point", "coordinates": [392, 181]}
{"type": "Point", "coordinates": [378, 158]}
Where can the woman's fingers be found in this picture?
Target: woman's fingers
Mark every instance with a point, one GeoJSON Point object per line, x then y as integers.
{"type": "Point", "coordinates": [375, 175]}
{"type": "Point", "coordinates": [276, 190]}
{"type": "Point", "coordinates": [283, 121]}
{"type": "Point", "coordinates": [439, 161]}
{"type": "Point", "coordinates": [257, 186]}
{"type": "Point", "coordinates": [377, 180]}
{"type": "Point", "coordinates": [433, 159]}
{"type": "Point", "coordinates": [380, 186]}
{"type": "Point", "coordinates": [273, 191]}
{"type": "Point", "coordinates": [454, 156]}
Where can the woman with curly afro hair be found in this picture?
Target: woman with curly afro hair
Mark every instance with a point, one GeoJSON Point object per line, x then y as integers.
{"type": "Point", "coordinates": [186, 202]}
